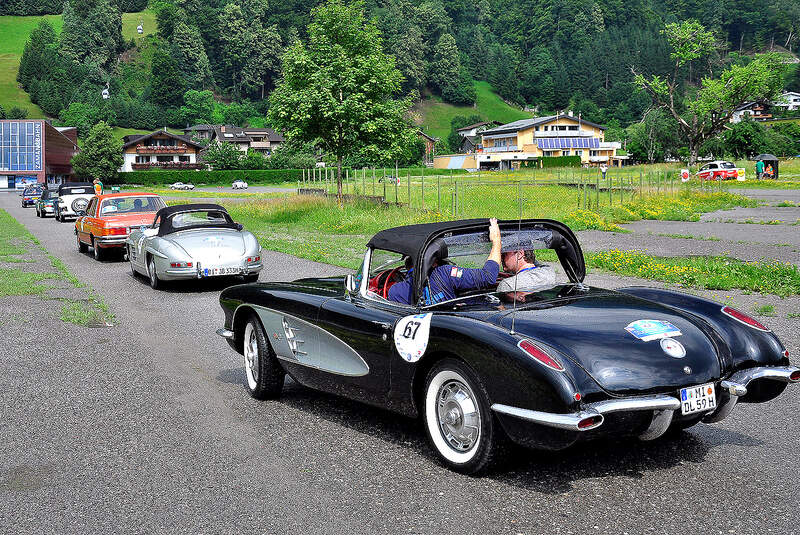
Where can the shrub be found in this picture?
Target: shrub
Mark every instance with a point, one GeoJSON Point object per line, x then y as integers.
{"type": "Point", "coordinates": [212, 178]}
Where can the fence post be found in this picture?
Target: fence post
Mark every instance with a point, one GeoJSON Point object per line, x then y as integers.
{"type": "Point", "coordinates": [439, 194]}
{"type": "Point", "coordinates": [423, 188]}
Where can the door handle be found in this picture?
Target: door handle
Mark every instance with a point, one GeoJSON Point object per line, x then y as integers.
{"type": "Point", "coordinates": [383, 325]}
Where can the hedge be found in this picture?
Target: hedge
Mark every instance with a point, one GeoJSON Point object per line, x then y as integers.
{"type": "Point", "coordinates": [554, 161]}
{"type": "Point", "coordinates": [213, 178]}
{"type": "Point", "coordinates": [266, 176]}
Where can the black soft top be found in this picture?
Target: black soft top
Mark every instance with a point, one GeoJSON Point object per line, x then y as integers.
{"type": "Point", "coordinates": [68, 185]}
{"type": "Point", "coordinates": [427, 242]}
{"type": "Point", "coordinates": [166, 214]}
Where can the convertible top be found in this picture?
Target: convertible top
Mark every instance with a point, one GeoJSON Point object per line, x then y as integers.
{"type": "Point", "coordinates": [68, 185]}
{"type": "Point", "coordinates": [167, 212]}
{"type": "Point", "coordinates": [416, 240]}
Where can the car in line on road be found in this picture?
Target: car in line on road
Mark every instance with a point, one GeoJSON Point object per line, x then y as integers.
{"type": "Point", "coordinates": [181, 186]}
{"type": "Point", "coordinates": [544, 368]}
{"type": "Point", "coordinates": [31, 194]}
{"type": "Point", "coordinates": [193, 241]}
{"type": "Point", "coordinates": [108, 219]}
{"type": "Point", "coordinates": [719, 170]}
{"type": "Point", "coordinates": [239, 184]}
{"type": "Point", "coordinates": [46, 204]}
{"type": "Point", "coordinates": [73, 197]}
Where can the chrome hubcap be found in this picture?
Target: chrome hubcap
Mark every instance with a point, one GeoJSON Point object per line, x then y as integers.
{"type": "Point", "coordinates": [251, 356]}
{"type": "Point", "coordinates": [152, 271]}
{"type": "Point", "coordinates": [459, 418]}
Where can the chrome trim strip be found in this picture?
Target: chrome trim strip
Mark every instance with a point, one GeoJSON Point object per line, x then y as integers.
{"type": "Point", "coordinates": [560, 421]}
{"type": "Point", "coordinates": [734, 389]}
{"type": "Point", "coordinates": [641, 403]}
{"type": "Point", "coordinates": [775, 373]}
{"type": "Point", "coordinates": [225, 333]}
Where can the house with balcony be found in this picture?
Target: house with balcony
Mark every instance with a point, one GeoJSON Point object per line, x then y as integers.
{"type": "Point", "coordinates": [789, 100]}
{"type": "Point", "coordinates": [160, 150]}
{"type": "Point", "coordinates": [263, 140]}
{"type": "Point", "coordinates": [508, 146]}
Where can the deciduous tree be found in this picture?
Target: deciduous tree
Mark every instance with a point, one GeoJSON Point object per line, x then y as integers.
{"type": "Point", "coordinates": [703, 112]}
{"type": "Point", "coordinates": [100, 156]}
{"type": "Point", "coordinates": [338, 89]}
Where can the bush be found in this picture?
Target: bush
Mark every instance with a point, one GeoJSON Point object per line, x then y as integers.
{"type": "Point", "coordinates": [212, 178]}
{"type": "Point", "coordinates": [554, 161]}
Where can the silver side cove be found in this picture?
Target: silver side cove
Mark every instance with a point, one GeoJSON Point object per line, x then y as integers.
{"type": "Point", "coordinates": [298, 341]}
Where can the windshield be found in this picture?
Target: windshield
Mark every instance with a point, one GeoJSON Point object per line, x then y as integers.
{"type": "Point", "coordinates": [75, 191]}
{"type": "Point", "coordinates": [131, 205]}
{"type": "Point", "coordinates": [727, 165]}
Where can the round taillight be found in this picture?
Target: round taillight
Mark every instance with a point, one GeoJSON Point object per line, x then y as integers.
{"type": "Point", "coordinates": [539, 354]}
{"type": "Point", "coordinates": [577, 396]}
{"type": "Point", "coordinates": [743, 318]}
{"type": "Point", "coordinates": [590, 422]}
{"type": "Point", "coordinates": [786, 353]}
{"type": "Point", "coordinates": [794, 376]}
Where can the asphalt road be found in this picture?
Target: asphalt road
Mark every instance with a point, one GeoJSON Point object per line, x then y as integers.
{"type": "Point", "coordinates": [145, 427]}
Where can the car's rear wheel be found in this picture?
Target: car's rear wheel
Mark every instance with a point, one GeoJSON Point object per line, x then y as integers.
{"type": "Point", "coordinates": [55, 214]}
{"type": "Point", "coordinates": [250, 277]}
{"type": "Point", "coordinates": [99, 254]}
{"type": "Point", "coordinates": [155, 283]}
{"type": "Point", "coordinates": [458, 419]}
{"type": "Point", "coordinates": [82, 247]}
{"type": "Point", "coordinates": [133, 269]}
{"type": "Point", "coordinates": [264, 375]}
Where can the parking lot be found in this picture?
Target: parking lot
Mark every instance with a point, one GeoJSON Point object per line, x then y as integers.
{"type": "Point", "coordinates": [145, 427]}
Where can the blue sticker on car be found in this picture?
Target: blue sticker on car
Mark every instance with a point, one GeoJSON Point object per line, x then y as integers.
{"type": "Point", "coordinates": [647, 330]}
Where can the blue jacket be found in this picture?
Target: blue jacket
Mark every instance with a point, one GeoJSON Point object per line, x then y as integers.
{"type": "Point", "coordinates": [444, 281]}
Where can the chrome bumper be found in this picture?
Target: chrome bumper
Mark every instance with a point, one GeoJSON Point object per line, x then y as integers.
{"type": "Point", "coordinates": [108, 240]}
{"type": "Point", "coordinates": [225, 333]}
{"type": "Point", "coordinates": [571, 421]}
{"type": "Point", "coordinates": [735, 386]}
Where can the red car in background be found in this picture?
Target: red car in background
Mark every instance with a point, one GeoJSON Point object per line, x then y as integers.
{"type": "Point", "coordinates": [718, 170]}
{"type": "Point", "coordinates": [108, 219]}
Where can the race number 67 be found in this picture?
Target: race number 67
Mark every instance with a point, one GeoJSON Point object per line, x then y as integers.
{"type": "Point", "coordinates": [411, 329]}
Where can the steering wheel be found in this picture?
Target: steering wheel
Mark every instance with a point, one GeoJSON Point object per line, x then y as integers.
{"type": "Point", "coordinates": [386, 285]}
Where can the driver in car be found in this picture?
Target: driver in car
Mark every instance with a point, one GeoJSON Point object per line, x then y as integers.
{"type": "Point", "coordinates": [444, 281]}
{"type": "Point", "coordinates": [529, 275]}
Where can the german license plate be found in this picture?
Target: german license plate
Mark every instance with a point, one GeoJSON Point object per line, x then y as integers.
{"type": "Point", "coordinates": [699, 398]}
{"type": "Point", "coordinates": [214, 272]}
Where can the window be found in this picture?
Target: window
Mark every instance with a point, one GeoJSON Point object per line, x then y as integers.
{"type": "Point", "coordinates": [565, 153]}
{"type": "Point", "coordinates": [143, 159]}
{"type": "Point", "coordinates": [386, 268]}
{"type": "Point", "coordinates": [132, 204]}
{"type": "Point", "coordinates": [183, 158]}
{"type": "Point", "coordinates": [578, 153]}
{"type": "Point", "coordinates": [164, 159]}
{"type": "Point", "coordinates": [92, 206]}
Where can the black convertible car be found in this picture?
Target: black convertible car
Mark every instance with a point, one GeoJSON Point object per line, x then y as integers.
{"type": "Point", "coordinates": [545, 368]}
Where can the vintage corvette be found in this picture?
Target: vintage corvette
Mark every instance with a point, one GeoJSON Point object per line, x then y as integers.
{"type": "Point", "coordinates": [543, 368]}
{"type": "Point", "coordinates": [108, 220]}
{"type": "Point", "coordinates": [193, 241]}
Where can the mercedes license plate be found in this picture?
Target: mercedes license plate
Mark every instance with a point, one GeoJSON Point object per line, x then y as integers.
{"type": "Point", "coordinates": [213, 272]}
{"type": "Point", "coordinates": [698, 398]}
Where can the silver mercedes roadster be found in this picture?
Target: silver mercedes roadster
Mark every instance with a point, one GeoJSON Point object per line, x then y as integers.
{"type": "Point", "coordinates": [193, 241]}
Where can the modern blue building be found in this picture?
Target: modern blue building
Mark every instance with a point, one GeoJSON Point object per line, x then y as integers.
{"type": "Point", "coordinates": [35, 151]}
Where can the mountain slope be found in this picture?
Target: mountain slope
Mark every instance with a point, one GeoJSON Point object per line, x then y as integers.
{"type": "Point", "coordinates": [434, 116]}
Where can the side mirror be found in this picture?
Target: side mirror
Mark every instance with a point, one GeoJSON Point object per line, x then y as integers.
{"type": "Point", "coordinates": [239, 226]}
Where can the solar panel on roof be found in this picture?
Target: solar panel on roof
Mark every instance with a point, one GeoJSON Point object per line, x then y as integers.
{"type": "Point", "coordinates": [555, 143]}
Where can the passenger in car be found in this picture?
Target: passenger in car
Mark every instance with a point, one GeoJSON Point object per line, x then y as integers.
{"type": "Point", "coordinates": [446, 280]}
{"type": "Point", "coordinates": [528, 274]}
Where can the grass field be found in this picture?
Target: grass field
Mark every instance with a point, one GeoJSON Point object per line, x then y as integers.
{"type": "Point", "coordinates": [436, 115]}
{"type": "Point", "coordinates": [14, 32]}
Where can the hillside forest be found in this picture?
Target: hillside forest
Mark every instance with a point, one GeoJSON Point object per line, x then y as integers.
{"type": "Point", "coordinates": [215, 61]}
